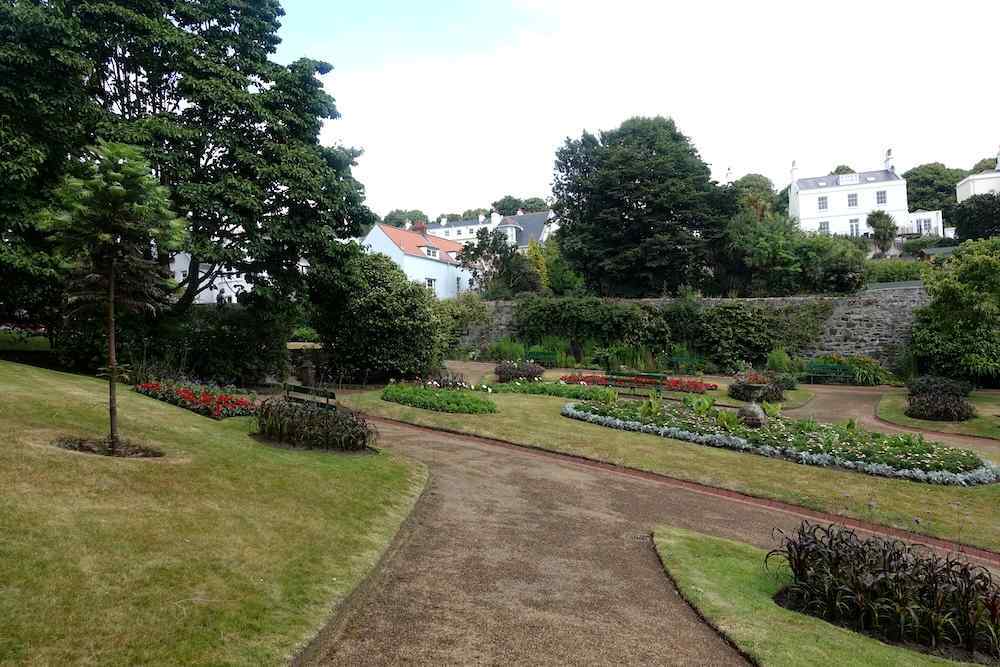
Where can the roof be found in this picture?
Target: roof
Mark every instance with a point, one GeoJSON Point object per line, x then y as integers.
{"type": "Point", "coordinates": [435, 224]}
{"type": "Point", "coordinates": [412, 242]}
{"type": "Point", "coordinates": [834, 180]}
{"type": "Point", "coordinates": [529, 226]}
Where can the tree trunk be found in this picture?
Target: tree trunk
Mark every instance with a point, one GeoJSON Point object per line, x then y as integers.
{"type": "Point", "coordinates": [112, 363]}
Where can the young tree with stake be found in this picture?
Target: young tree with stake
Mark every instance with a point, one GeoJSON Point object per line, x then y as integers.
{"type": "Point", "coordinates": [110, 222]}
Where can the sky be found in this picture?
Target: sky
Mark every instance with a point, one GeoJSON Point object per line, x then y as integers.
{"type": "Point", "coordinates": [456, 104]}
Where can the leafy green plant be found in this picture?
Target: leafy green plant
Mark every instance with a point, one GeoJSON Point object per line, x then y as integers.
{"type": "Point", "coordinates": [562, 390]}
{"type": "Point", "coordinates": [509, 371]}
{"type": "Point", "coordinates": [939, 407]}
{"type": "Point", "coordinates": [779, 361]}
{"type": "Point", "coordinates": [438, 400]}
{"type": "Point", "coordinates": [313, 426]}
{"type": "Point", "coordinates": [771, 409]}
{"type": "Point", "coordinates": [890, 589]}
{"type": "Point", "coordinates": [727, 420]}
{"type": "Point", "coordinates": [507, 349]}
{"type": "Point", "coordinates": [652, 407]}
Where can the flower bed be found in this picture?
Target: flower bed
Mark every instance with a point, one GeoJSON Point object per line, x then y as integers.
{"type": "Point", "coordinates": [205, 400]}
{"type": "Point", "coordinates": [686, 385]}
{"type": "Point", "coordinates": [438, 400]}
{"type": "Point", "coordinates": [580, 392]}
{"type": "Point", "coordinates": [905, 456]}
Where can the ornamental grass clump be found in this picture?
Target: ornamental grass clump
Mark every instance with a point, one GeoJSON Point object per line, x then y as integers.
{"type": "Point", "coordinates": [903, 455]}
{"type": "Point", "coordinates": [438, 400]}
{"type": "Point", "coordinates": [890, 589]}
{"type": "Point", "coordinates": [313, 426]}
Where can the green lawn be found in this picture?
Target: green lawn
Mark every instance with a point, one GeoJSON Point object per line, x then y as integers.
{"type": "Point", "coordinates": [986, 425]}
{"type": "Point", "coordinates": [11, 341]}
{"type": "Point", "coordinates": [967, 515]}
{"type": "Point", "coordinates": [226, 551]}
{"type": "Point", "coordinates": [726, 581]}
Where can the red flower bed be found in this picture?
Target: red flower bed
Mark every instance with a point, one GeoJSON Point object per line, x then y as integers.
{"type": "Point", "coordinates": [691, 386]}
{"type": "Point", "coordinates": [204, 400]}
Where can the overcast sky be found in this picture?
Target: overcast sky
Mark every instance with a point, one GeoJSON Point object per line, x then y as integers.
{"type": "Point", "coordinates": [458, 103]}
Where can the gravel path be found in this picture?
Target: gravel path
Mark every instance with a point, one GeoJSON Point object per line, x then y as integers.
{"type": "Point", "coordinates": [515, 558]}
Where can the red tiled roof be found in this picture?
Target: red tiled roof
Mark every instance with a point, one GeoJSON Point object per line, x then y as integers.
{"type": "Point", "coordinates": [412, 243]}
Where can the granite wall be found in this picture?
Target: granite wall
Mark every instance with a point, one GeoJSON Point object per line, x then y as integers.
{"type": "Point", "coordinates": [875, 322]}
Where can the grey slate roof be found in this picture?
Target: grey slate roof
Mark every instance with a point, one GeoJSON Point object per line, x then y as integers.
{"type": "Point", "coordinates": [530, 226]}
{"type": "Point", "coordinates": [864, 177]}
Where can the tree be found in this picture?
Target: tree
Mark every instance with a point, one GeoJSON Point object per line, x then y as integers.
{"type": "Point", "coordinates": [841, 169]}
{"type": "Point", "coordinates": [398, 217]}
{"type": "Point", "coordinates": [507, 205]}
{"type": "Point", "coordinates": [638, 208]}
{"type": "Point", "coordinates": [781, 203]}
{"type": "Point", "coordinates": [537, 256]}
{"type": "Point", "coordinates": [883, 230]}
{"type": "Point", "coordinates": [756, 193]}
{"type": "Point", "coordinates": [931, 187]}
{"type": "Point", "coordinates": [563, 280]}
{"type": "Point", "coordinates": [474, 213]}
{"type": "Point", "coordinates": [112, 219]}
{"type": "Point", "coordinates": [978, 217]}
{"type": "Point", "coordinates": [496, 266]}
{"type": "Point", "coordinates": [958, 334]}
{"type": "Point", "coordinates": [986, 164]}
{"type": "Point", "coordinates": [374, 322]}
{"type": "Point", "coordinates": [534, 205]}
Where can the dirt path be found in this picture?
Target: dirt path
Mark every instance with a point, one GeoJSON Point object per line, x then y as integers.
{"type": "Point", "coordinates": [510, 558]}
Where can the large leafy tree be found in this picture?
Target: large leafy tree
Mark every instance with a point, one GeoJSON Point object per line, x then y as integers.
{"type": "Point", "coordinates": [638, 208]}
{"type": "Point", "coordinates": [931, 187]}
{"type": "Point", "coordinates": [510, 205]}
{"type": "Point", "coordinates": [842, 169]}
{"type": "Point", "coordinates": [883, 229]}
{"type": "Point", "coordinates": [497, 267]}
{"type": "Point", "coordinates": [399, 217]}
{"type": "Point", "coordinates": [756, 193]}
{"type": "Point", "coordinates": [232, 133]}
{"type": "Point", "coordinates": [986, 164]}
{"type": "Point", "coordinates": [111, 221]}
{"type": "Point", "coordinates": [958, 334]}
{"type": "Point", "coordinates": [474, 213]}
{"type": "Point", "coordinates": [978, 217]}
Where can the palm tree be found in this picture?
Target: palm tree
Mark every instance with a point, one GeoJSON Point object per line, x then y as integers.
{"type": "Point", "coordinates": [111, 222]}
{"type": "Point", "coordinates": [883, 230]}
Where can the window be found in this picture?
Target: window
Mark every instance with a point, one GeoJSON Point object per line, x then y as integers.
{"type": "Point", "coordinates": [855, 227]}
{"type": "Point", "coordinates": [924, 225]}
{"type": "Point", "coordinates": [431, 283]}
{"type": "Point", "coordinates": [822, 203]}
{"type": "Point", "coordinates": [880, 197]}
{"type": "Point", "coordinates": [852, 200]}
{"type": "Point", "coordinates": [458, 283]}
{"type": "Point", "coordinates": [447, 233]}
{"type": "Point", "coordinates": [824, 227]}
{"type": "Point", "coordinates": [431, 252]}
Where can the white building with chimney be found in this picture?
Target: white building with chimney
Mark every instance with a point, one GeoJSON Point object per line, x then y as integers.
{"type": "Point", "coordinates": [840, 203]}
{"type": "Point", "coordinates": [984, 183]}
{"type": "Point", "coordinates": [521, 229]}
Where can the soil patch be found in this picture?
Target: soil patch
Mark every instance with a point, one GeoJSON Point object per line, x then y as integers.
{"type": "Point", "coordinates": [781, 598]}
{"type": "Point", "coordinates": [124, 449]}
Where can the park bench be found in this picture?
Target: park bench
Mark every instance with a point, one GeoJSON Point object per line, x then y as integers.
{"type": "Point", "coordinates": [826, 373]}
{"type": "Point", "coordinates": [546, 359]}
{"type": "Point", "coordinates": [628, 381]}
{"type": "Point", "coordinates": [303, 394]}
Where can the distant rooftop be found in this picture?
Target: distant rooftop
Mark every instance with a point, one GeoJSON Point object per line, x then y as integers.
{"type": "Point", "coordinates": [837, 180]}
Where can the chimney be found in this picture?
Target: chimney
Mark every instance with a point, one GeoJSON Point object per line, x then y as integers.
{"type": "Point", "coordinates": [407, 224]}
{"type": "Point", "coordinates": [890, 162]}
{"type": "Point", "coordinates": [495, 218]}
{"type": "Point", "coordinates": [482, 218]}
{"type": "Point", "coordinates": [729, 175]}
{"type": "Point", "coordinates": [419, 227]}
{"type": "Point", "coordinates": [795, 172]}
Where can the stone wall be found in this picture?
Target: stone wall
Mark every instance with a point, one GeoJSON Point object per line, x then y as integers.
{"type": "Point", "coordinates": [876, 322]}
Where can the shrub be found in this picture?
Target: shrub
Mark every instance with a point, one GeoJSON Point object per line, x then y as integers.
{"type": "Point", "coordinates": [857, 370]}
{"type": "Point", "coordinates": [205, 400]}
{"type": "Point", "coordinates": [508, 371]}
{"type": "Point", "coordinates": [939, 407]}
{"type": "Point", "coordinates": [890, 589]}
{"type": "Point", "coordinates": [892, 270]}
{"type": "Point", "coordinates": [374, 322]}
{"type": "Point", "coordinates": [304, 334]}
{"type": "Point", "coordinates": [778, 361]}
{"type": "Point", "coordinates": [313, 426]}
{"type": "Point", "coordinates": [787, 381]}
{"type": "Point", "coordinates": [574, 391]}
{"type": "Point", "coordinates": [506, 349]}
{"type": "Point", "coordinates": [745, 391]}
{"type": "Point", "coordinates": [457, 315]}
{"type": "Point", "coordinates": [935, 384]}
{"type": "Point", "coordinates": [438, 400]}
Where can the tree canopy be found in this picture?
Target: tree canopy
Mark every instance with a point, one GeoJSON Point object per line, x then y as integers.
{"type": "Point", "coordinates": [931, 187]}
{"type": "Point", "coordinates": [638, 208]}
{"type": "Point", "coordinates": [497, 267]}
{"type": "Point", "coordinates": [978, 217]}
{"type": "Point", "coordinates": [986, 164]}
{"type": "Point", "coordinates": [842, 169]}
{"type": "Point", "coordinates": [510, 205]}
{"type": "Point", "coordinates": [883, 229]}
{"type": "Point", "coordinates": [399, 217]}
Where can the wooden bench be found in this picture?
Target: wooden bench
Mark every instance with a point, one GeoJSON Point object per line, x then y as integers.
{"type": "Point", "coordinates": [627, 381]}
{"type": "Point", "coordinates": [827, 371]}
{"type": "Point", "coordinates": [546, 359]}
{"type": "Point", "coordinates": [303, 394]}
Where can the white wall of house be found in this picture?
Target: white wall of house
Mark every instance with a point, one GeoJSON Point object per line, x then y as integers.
{"type": "Point", "coordinates": [984, 183]}
{"type": "Point", "coordinates": [923, 222]}
{"type": "Point", "coordinates": [227, 285]}
{"type": "Point", "coordinates": [840, 216]}
{"type": "Point", "coordinates": [447, 280]}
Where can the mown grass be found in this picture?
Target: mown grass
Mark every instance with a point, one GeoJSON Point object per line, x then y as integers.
{"type": "Point", "coordinates": [225, 551]}
{"type": "Point", "coordinates": [892, 408]}
{"type": "Point", "coordinates": [966, 515]}
{"type": "Point", "coordinates": [726, 581]}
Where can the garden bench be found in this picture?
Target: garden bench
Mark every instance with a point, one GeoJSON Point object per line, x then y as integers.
{"type": "Point", "coordinates": [826, 371]}
{"type": "Point", "coordinates": [546, 359]}
{"type": "Point", "coordinates": [627, 381]}
{"type": "Point", "coordinates": [303, 394]}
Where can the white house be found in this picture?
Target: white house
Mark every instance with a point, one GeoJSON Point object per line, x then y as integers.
{"type": "Point", "coordinates": [521, 229]}
{"type": "Point", "coordinates": [425, 259]}
{"type": "Point", "coordinates": [840, 204]}
{"type": "Point", "coordinates": [225, 288]}
{"type": "Point", "coordinates": [983, 183]}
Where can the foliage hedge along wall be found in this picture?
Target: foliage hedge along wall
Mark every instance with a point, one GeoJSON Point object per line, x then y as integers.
{"type": "Point", "coordinates": [205, 400]}
{"type": "Point", "coordinates": [903, 455]}
{"type": "Point", "coordinates": [727, 333]}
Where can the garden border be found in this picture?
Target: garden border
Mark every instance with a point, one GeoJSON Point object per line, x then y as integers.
{"type": "Point", "coordinates": [944, 478]}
